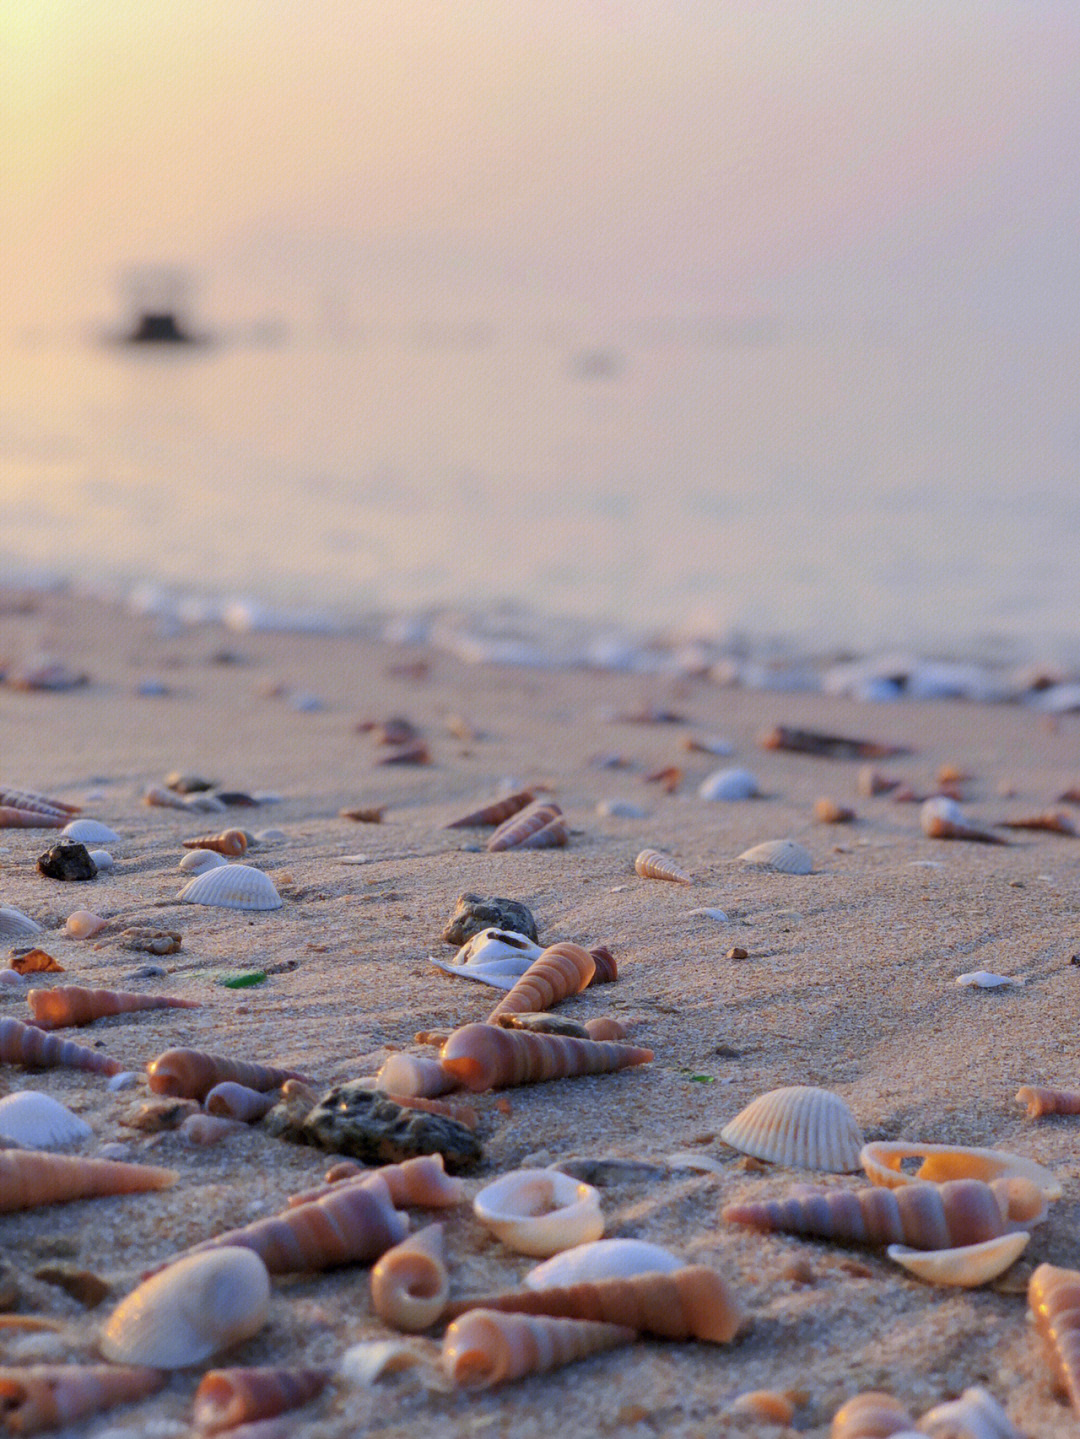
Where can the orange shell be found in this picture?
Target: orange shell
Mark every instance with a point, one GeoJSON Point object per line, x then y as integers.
{"type": "Point", "coordinates": [484, 1348]}
{"type": "Point", "coordinates": [13, 817]}
{"type": "Point", "coordinates": [229, 841]}
{"type": "Point", "coordinates": [1054, 1300]}
{"type": "Point", "coordinates": [482, 1056]}
{"type": "Point", "coordinates": [606, 1028]}
{"type": "Point", "coordinates": [870, 1416]}
{"type": "Point", "coordinates": [228, 1397]}
{"type": "Point", "coordinates": [71, 1005]}
{"type": "Point", "coordinates": [1048, 1101]}
{"type": "Point", "coordinates": [496, 812]}
{"type": "Point", "coordinates": [29, 1178]}
{"type": "Point", "coordinates": [561, 970]}
{"type": "Point", "coordinates": [191, 1074]}
{"type": "Point", "coordinates": [52, 1396]}
{"type": "Point", "coordinates": [31, 1047]}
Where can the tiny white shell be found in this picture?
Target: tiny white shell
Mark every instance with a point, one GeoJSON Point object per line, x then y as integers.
{"type": "Point", "coordinates": [985, 979]}
{"type": "Point", "coordinates": [540, 1211]}
{"type": "Point", "coordinates": [602, 1259]}
{"type": "Point", "coordinates": [14, 923]}
{"type": "Point", "coordinates": [32, 1120]}
{"type": "Point", "coordinates": [362, 1364]}
{"type": "Point", "coordinates": [975, 1415]}
{"type": "Point", "coordinates": [198, 861]}
{"type": "Point", "coordinates": [729, 784]}
{"type": "Point", "coordinates": [965, 1267]}
{"type": "Point", "coordinates": [717, 914]}
{"type": "Point", "coordinates": [782, 855]}
{"type": "Point", "coordinates": [232, 886]}
{"type": "Point", "coordinates": [620, 809]}
{"type": "Point", "coordinates": [798, 1126]}
{"type": "Point", "coordinates": [102, 859]}
{"type": "Point", "coordinates": [88, 831]}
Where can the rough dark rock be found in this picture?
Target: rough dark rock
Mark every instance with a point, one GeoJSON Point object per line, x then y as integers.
{"type": "Point", "coordinates": [473, 912]}
{"type": "Point", "coordinates": [67, 860]}
{"type": "Point", "coordinates": [9, 1286]}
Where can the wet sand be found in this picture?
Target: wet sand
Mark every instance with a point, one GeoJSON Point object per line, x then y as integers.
{"type": "Point", "coordinates": [849, 984]}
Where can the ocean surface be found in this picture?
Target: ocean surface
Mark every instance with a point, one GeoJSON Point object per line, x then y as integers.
{"type": "Point", "coordinates": [767, 489]}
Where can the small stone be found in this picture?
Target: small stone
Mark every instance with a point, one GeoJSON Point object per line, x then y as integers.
{"type": "Point", "coordinates": [155, 1115]}
{"type": "Point", "coordinates": [153, 941]}
{"type": "Point", "coordinates": [737, 953]}
{"type": "Point", "coordinates": [363, 814]}
{"type": "Point", "coordinates": [472, 913]}
{"type": "Point", "coordinates": [236, 798]}
{"type": "Point", "coordinates": [359, 1122]}
{"type": "Point", "coordinates": [83, 1285]}
{"type": "Point", "coordinates": [67, 860]}
{"type": "Point", "coordinates": [34, 961]}
{"type": "Point", "coordinates": [187, 783]}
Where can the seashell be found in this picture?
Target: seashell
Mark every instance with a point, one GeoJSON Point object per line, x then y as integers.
{"type": "Point", "coordinates": [237, 1101]}
{"type": "Point", "coordinates": [155, 795]}
{"type": "Point", "coordinates": [484, 1348]}
{"type": "Point", "coordinates": [496, 812]}
{"type": "Point", "coordinates": [198, 861]}
{"type": "Point", "coordinates": [607, 971]}
{"type": "Point", "coordinates": [691, 1302]}
{"type": "Point", "coordinates": [191, 1074]}
{"type": "Point", "coordinates": [883, 1161]}
{"type": "Point", "coordinates": [601, 1259]}
{"type": "Point", "coordinates": [606, 1028]}
{"type": "Point", "coordinates": [798, 1126]}
{"type": "Point", "coordinates": [82, 923]}
{"type": "Point", "coordinates": [540, 1211]}
{"type": "Point", "coordinates": [35, 1121]}
{"type": "Point", "coordinates": [414, 751]}
{"type": "Point", "coordinates": [870, 1416]}
{"type": "Point", "coordinates": [828, 811]}
{"type": "Point", "coordinates": [12, 817]}
{"type": "Point", "coordinates": [231, 842]}
{"type": "Point", "coordinates": [14, 924]}
{"type": "Point", "coordinates": [975, 1415]}
{"type": "Point", "coordinates": [804, 741]}
{"type": "Point", "coordinates": [942, 818]}
{"type": "Point", "coordinates": [1048, 1101]}
{"type": "Point", "coordinates": [620, 809]}
{"type": "Point", "coordinates": [365, 1363]}
{"type": "Point", "coordinates": [764, 1404]}
{"type": "Point", "coordinates": [414, 1075]}
{"type": "Point", "coordinates": [34, 961]}
{"type": "Point", "coordinates": [539, 826]}
{"type": "Point", "coordinates": [498, 957]}
{"type": "Point", "coordinates": [409, 1284]}
{"type": "Point", "coordinates": [71, 1005]}
{"type": "Point", "coordinates": [232, 886]}
{"type": "Point", "coordinates": [541, 1023]}
{"type": "Point", "coordinates": [102, 859]}
{"type": "Point", "coordinates": [204, 804]}
{"type": "Point", "coordinates": [783, 856]}
{"type": "Point", "coordinates": [90, 831]}
{"type": "Point", "coordinates": [729, 784]}
{"type": "Point", "coordinates": [669, 778]}
{"type": "Point", "coordinates": [651, 864]}
{"type": "Point", "coordinates": [28, 1178]}
{"type": "Point", "coordinates": [1052, 822]}
{"type": "Point", "coordinates": [560, 971]}
{"type": "Point", "coordinates": [985, 979]}
{"type": "Point", "coordinates": [1054, 1301]}
{"type": "Point", "coordinates": [28, 799]}
{"type": "Point", "coordinates": [967, 1266]}
{"type": "Point", "coordinates": [422, 1181]}
{"type": "Point", "coordinates": [12, 979]}
{"type": "Point", "coordinates": [196, 1307]}
{"type": "Point", "coordinates": [26, 1045]}
{"type": "Point", "coordinates": [481, 1056]}
{"type": "Point", "coordinates": [924, 1216]}
{"type": "Point", "coordinates": [52, 1396]}
{"type": "Point", "coordinates": [228, 1397]}
{"type": "Point", "coordinates": [208, 1128]}
{"type": "Point", "coordinates": [715, 745]}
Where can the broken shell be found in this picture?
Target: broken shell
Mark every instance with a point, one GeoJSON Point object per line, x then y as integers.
{"type": "Point", "coordinates": [798, 1126]}
{"type": "Point", "coordinates": [1054, 1301]}
{"type": "Point", "coordinates": [967, 1266]}
{"type": "Point", "coordinates": [883, 1161]}
{"type": "Point", "coordinates": [236, 1101]}
{"type": "Point", "coordinates": [28, 1178]}
{"type": "Point", "coordinates": [651, 864]}
{"type": "Point", "coordinates": [601, 1259]}
{"type": "Point", "coordinates": [53, 1396]}
{"type": "Point", "coordinates": [783, 856]}
{"type": "Point", "coordinates": [561, 970]}
{"type": "Point", "coordinates": [365, 1363]}
{"type": "Point", "coordinates": [198, 861]}
{"type": "Point", "coordinates": [871, 1416]}
{"type": "Point", "coordinates": [985, 979]}
{"type": "Point", "coordinates": [1048, 1101]}
{"type": "Point", "coordinates": [498, 957]}
{"type": "Point", "coordinates": [409, 1284]}
{"type": "Point", "coordinates": [482, 1056]}
{"type": "Point", "coordinates": [942, 818]}
{"type": "Point", "coordinates": [540, 1211]}
{"type": "Point", "coordinates": [232, 842]}
{"type": "Point", "coordinates": [35, 1121]}
{"type": "Point", "coordinates": [729, 784]}
{"type": "Point", "coordinates": [90, 831]}
{"type": "Point", "coordinates": [227, 1398]}
{"type": "Point", "coordinates": [233, 886]}
{"type": "Point", "coordinates": [484, 1348]}
{"type": "Point", "coordinates": [975, 1415]}
{"type": "Point", "coordinates": [14, 924]}
{"type": "Point", "coordinates": [72, 1005]}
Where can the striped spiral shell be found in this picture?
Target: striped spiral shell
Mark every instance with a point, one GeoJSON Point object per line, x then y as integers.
{"type": "Point", "coordinates": [482, 1056]}
{"type": "Point", "coordinates": [561, 970]}
{"type": "Point", "coordinates": [870, 1416]}
{"type": "Point", "coordinates": [236, 1101]}
{"type": "Point", "coordinates": [52, 1396]}
{"type": "Point", "coordinates": [191, 1074]}
{"type": "Point", "coordinates": [483, 1348]}
{"type": "Point", "coordinates": [232, 842]}
{"type": "Point", "coordinates": [15, 817]}
{"type": "Point", "coordinates": [228, 1397]}
{"type": "Point", "coordinates": [414, 1075]}
{"type": "Point", "coordinates": [883, 1161]}
{"type": "Point", "coordinates": [422, 1182]}
{"type": "Point", "coordinates": [1054, 1300]}
{"type": "Point", "coordinates": [496, 812]}
{"type": "Point", "coordinates": [28, 799]}
{"type": "Point", "coordinates": [942, 818]}
{"type": "Point", "coordinates": [70, 1005]}
{"type": "Point", "coordinates": [539, 826]}
{"type": "Point", "coordinates": [651, 864]}
{"type": "Point", "coordinates": [798, 1126]}
{"type": "Point", "coordinates": [32, 1048]}
{"type": "Point", "coordinates": [29, 1178]}
{"type": "Point", "coordinates": [409, 1284]}
{"type": "Point", "coordinates": [1048, 1101]}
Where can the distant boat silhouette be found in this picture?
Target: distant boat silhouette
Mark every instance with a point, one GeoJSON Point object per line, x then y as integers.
{"type": "Point", "coordinates": [156, 298]}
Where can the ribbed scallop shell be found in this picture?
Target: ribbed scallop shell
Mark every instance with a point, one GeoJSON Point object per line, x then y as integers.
{"type": "Point", "coordinates": [975, 1415]}
{"type": "Point", "coordinates": [965, 1267]}
{"type": "Point", "coordinates": [1054, 1300]}
{"type": "Point", "coordinates": [1048, 1101]}
{"type": "Point", "coordinates": [561, 970]}
{"type": "Point", "coordinates": [90, 831]}
{"type": "Point", "coordinates": [232, 886]}
{"type": "Point", "coordinates": [409, 1284]}
{"type": "Point", "coordinates": [601, 1259]}
{"type": "Point", "coordinates": [14, 924]}
{"type": "Point", "coordinates": [497, 812]}
{"type": "Point", "coordinates": [539, 826]}
{"type": "Point", "coordinates": [226, 1398]}
{"type": "Point", "coordinates": [540, 1211]}
{"type": "Point", "coordinates": [882, 1162]}
{"type": "Point", "coordinates": [871, 1416]}
{"type": "Point", "coordinates": [36, 1121]}
{"type": "Point", "coordinates": [414, 1075]}
{"type": "Point", "coordinates": [189, 1311]}
{"type": "Point", "coordinates": [52, 1396]}
{"type": "Point", "coordinates": [236, 1101]}
{"type": "Point", "coordinates": [71, 1005]}
{"type": "Point", "coordinates": [482, 1056]}
{"type": "Point", "coordinates": [232, 842]}
{"type": "Point", "coordinates": [798, 1126]}
{"type": "Point", "coordinates": [651, 864]}
{"type": "Point", "coordinates": [28, 1178]}
{"type": "Point", "coordinates": [198, 861]}
{"type": "Point", "coordinates": [483, 1348]}
{"type": "Point", "coordinates": [191, 1074]}
{"type": "Point", "coordinates": [783, 856]}
{"type": "Point", "coordinates": [729, 784]}
{"type": "Point", "coordinates": [32, 1048]}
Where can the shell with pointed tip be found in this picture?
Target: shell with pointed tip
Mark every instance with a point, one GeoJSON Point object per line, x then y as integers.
{"type": "Point", "coordinates": [539, 826]}
{"type": "Point", "coordinates": [783, 856]}
{"type": "Point", "coordinates": [872, 1415]}
{"type": "Point", "coordinates": [561, 970]}
{"type": "Point", "coordinates": [36, 1121]}
{"type": "Point", "coordinates": [232, 842]}
{"type": "Point", "coordinates": [228, 1397]}
{"type": "Point", "coordinates": [602, 1259]}
{"type": "Point", "coordinates": [692, 1302]}
{"type": "Point", "coordinates": [412, 1074]}
{"type": "Point", "coordinates": [198, 861]}
{"type": "Point", "coordinates": [484, 1348]}
{"type": "Point", "coordinates": [52, 1396]}
{"type": "Point", "coordinates": [14, 924]}
{"type": "Point", "coordinates": [965, 1267]}
{"type": "Point", "coordinates": [651, 864]}
{"type": "Point", "coordinates": [28, 1178]}
{"type": "Point", "coordinates": [975, 1415]}
{"type": "Point", "coordinates": [191, 1074]}
{"type": "Point", "coordinates": [482, 1056]}
{"type": "Point", "coordinates": [422, 1181]}
{"type": "Point", "coordinates": [540, 1211]}
{"type": "Point", "coordinates": [798, 1126]}
{"type": "Point", "coordinates": [1048, 1101]}
{"type": "Point", "coordinates": [28, 799]}
{"type": "Point", "coordinates": [31, 1047]}
{"type": "Point", "coordinates": [729, 784]}
{"type": "Point", "coordinates": [1054, 1300]}
{"type": "Point", "coordinates": [189, 1311]}
{"type": "Point", "coordinates": [236, 1101]}
{"type": "Point", "coordinates": [71, 1005]}
{"type": "Point", "coordinates": [497, 812]}
{"type": "Point", "coordinates": [942, 818]}
{"type": "Point", "coordinates": [409, 1284]}
{"type": "Point", "coordinates": [13, 817]}
{"type": "Point", "coordinates": [883, 1159]}
{"type": "Point", "coordinates": [90, 831]}
{"type": "Point", "coordinates": [232, 886]}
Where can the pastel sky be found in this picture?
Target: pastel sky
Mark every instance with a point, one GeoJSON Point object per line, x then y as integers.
{"type": "Point", "coordinates": [842, 161]}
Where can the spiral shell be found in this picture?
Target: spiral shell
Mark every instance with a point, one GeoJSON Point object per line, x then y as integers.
{"type": "Point", "coordinates": [482, 1056]}
{"type": "Point", "coordinates": [965, 1267]}
{"type": "Point", "coordinates": [232, 842]}
{"type": "Point", "coordinates": [540, 1211]}
{"type": "Point", "coordinates": [228, 1397]}
{"type": "Point", "coordinates": [783, 856]}
{"type": "Point", "coordinates": [28, 1178]}
{"type": "Point", "coordinates": [191, 1074]}
{"type": "Point", "coordinates": [607, 970]}
{"type": "Point", "coordinates": [411, 1074]}
{"type": "Point", "coordinates": [1054, 1300]}
{"type": "Point", "coordinates": [70, 1005]}
{"type": "Point", "coordinates": [90, 831]}
{"type": "Point", "coordinates": [409, 1284]}
{"type": "Point", "coordinates": [870, 1416]}
{"type": "Point", "coordinates": [484, 1348]}
{"type": "Point", "coordinates": [561, 970]}
{"type": "Point", "coordinates": [236, 1101]}
{"type": "Point", "coordinates": [883, 1159]}
{"type": "Point", "coordinates": [975, 1415]}
{"type": "Point", "coordinates": [1048, 1101]}
{"type": "Point", "coordinates": [651, 864]}
{"type": "Point", "coordinates": [36, 1121]}
{"type": "Point", "coordinates": [422, 1181]}
{"type": "Point", "coordinates": [194, 1308]}
{"type": "Point", "coordinates": [798, 1126]}
{"type": "Point", "coordinates": [28, 799]}
{"type": "Point", "coordinates": [52, 1396]}
{"type": "Point", "coordinates": [26, 1045]}
{"type": "Point", "coordinates": [496, 812]}
{"type": "Point", "coordinates": [942, 818]}
{"type": "Point", "coordinates": [14, 924]}
{"type": "Point", "coordinates": [602, 1259]}
{"type": "Point", "coordinates": [232, 886]}
{"type": "Point", "coordinates": [15, 817]}
{"type": "Point", "coordinates": [539, 826]}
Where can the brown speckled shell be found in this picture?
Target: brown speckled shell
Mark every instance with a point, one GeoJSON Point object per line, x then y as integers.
{"type": "Point", "coordinates": [482, 1056]}
{"type": "Point", "coordinates": [31, 1047]}
{"type": "Point", "coordinates": [561, 970]}
{"type": "Point", "coordinates": [29, 1178]}
{"type": "Point", "coordinates": [484, 1348]}
{"type": "Point", "coordinates": [1054, 1300]}
{"type": "Point", "coordinates": [52, 1396]}
{"type": "Point", "coordinates": [228, 1397]}
{"type": "Point", "coordinates": [191, 1074]}
{"type": "Point", "coordinates": [71, 1005]}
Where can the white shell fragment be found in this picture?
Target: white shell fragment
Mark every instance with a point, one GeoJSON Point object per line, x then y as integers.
{"type": "Point", "coordinates": [798, 1126]}
{"type": "Point", "coordinates": [729, 784]}
{"type": "Point", "coordinates": [14, 924]}
{"type": "Point", "coordinates": [32, 1120]}
{"type": "Point", "coordinates": [602, 1259]}
{"type": "Point", "coordinates": [364, 1363]}
{"type": "Point", "coordinates": [198, 861]}
{"type": "Point", "coordinates": [540, 1211]}
{"type": "Point", "coordinates": [89, 831]}
{"type": "Point", "coordinates": [717, 914]}
{"type": "Point", "coordinates": [232, 886]}
{"type": "Point", "coordinates": [965, 1267]}
{"type": "Point", "coordinates": [883, 1162]}
{"type": "Point", "coordinates": [985, 979]}
{"type": "Point", "coordinates": [976, 1414]}
{"type": "Point", "coordinates": [498, 957]}
{"type": "Point", "coordinates": [782, 855]}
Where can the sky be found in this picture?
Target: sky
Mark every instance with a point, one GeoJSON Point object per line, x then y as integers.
{"type": "Point", "coordinates": [828, 162]}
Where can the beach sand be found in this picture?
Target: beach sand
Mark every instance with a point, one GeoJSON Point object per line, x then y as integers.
{"type": "Point", "coordinates": [849, 984]}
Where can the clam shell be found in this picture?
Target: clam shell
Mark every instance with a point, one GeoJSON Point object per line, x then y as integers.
{"type": "Point", "coordinates": [798, 1126]}
{"type": "Point", "coordinates": [965, 1267]}
{"type": "Point", "coordinates": [89, 831]}
{"type": "Point", "coordinates": [191, 1310]}
{"type": "Point", "coordinates": [975, 1415]}
{"type": "Point", "coordinates": [233, 886]}
{"type": "Point", "coordinates": [33, 1120]}
{"type": "Point", "coordinates": [782, 855]}
{"type": "Point", "coordinates": [871, 1415]}
{"type": "Point", "coordinates": [601, 1259]}
{"type": "Point", "coordinates": [729, 784]}
{"type": "Point", "coordinates": [882, 1162]}
{"type": "Point", "coordinates": [198, 861]}
{"type": "Point", "coordinates": [540, 1211]}
{"type": "Point", "coordinates": [14, 924]}
{"type": "Point", "coordinates": [102, 859]}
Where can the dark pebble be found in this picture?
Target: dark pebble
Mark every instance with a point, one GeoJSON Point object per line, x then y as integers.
{"type": "Point", "coordinates": [67, 860]}
{"type": "Point", "coordinates": [473, 912]}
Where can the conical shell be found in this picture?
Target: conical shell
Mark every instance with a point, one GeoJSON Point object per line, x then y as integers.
{"type": "Point", "coordinates": [871, 1416]}
{"type": "Point", "coordinates": [975, 1415]}
{"type": "Point", "coordinates": [691, 1303]}
{"type": "Point", "coordinates": [651, 864]}
{"type": "Point", "coordinates": [422, 1182]}
{"type": "Point", "coordinates": [34, 1049]}
{"type": "Point", "coordinates": [36, 1121]}
{"type": "Point", "coordinates": [71, 1005]}
{"type": "Point", "coordinates": [232, 886]}
{"type": "Point", "coordinates": [783, 856]}
{"type": "Point", "coordinates": [28, 1178]}
{"type": "Point", "coordinates": [484, 1348]}
{"type": "Point", "coordinates": [942, 818]}
{"type": "Point", "coordinates": [560, 971]}
{"type": "Point", "coordinates": [196, 1307]}
{"type": "Point", "coordinates": [198, 861]}
{"type": "Point", "coordinates": [90, 831]}
{"type": "Point", "coordinates": [965, 1267]}
{"type": "Point", "coordinates": [409, 1284]}
{"type": "Point", "coordinates": [729, 784]}
{"type": "Point", "coordinates": [232, 842]}
{"type": "Point", "coordinates": [496, 812]}
{"type": "Point", "coordinates": [883, 1162]}
{"type": "Point", "coordinates": [52, 1396]}
{"type": "Point", "coordinates": [1048, 1101]}
{"type": "Point", "coordinates": [12, 817]}
{"type": "Point", "coordinates": [482, 1056]}
{"type": "Point", "coordinates": [28, 799]}
{"type": "Point", "coordinates": [539, 826]}
{"type": "Point", "coordinates": [411, 1074]}
{"type": "Point", "coordinates": [14, 924]}
{"type": "Point", "coordinates": [228, 1397]}
{"type": "Point", "coordinates": [191, 1074]}
{"type": "Point", "coordinates": [236, 1101]}
{"type": "Point", "coordinates": [1054, 1300]}
{"type": "Point", "coordinates": [607, 970]}
{"type": "Point", "coordinates": [540, 1211]}
{"type": "Point", "coordinates": [798, 1126]}
{"type": "Point", "coordinates": [602, 1259]}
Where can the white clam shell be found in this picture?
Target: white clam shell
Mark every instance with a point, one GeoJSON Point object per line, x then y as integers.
{"type": "Point", "coordinates": [883, 1159]}
{"type": "Point", "coordinates": [32, 1120]}
{"type": "Point", "coordinates": [975, 1415]}
{"type": "Point", "coordinates": [232, 886]}
{"type": "Point", "coordinates": [540, 1211]}
{"type": "Point", "coordinates": [14, 923]}
{"type": "Point", "coordinates": [193, 1309]}
{"type": "Point", "coordinates": [198, 861]}
{"type": "Point", "coordinates": [602, 1259]}
{"type": "Point", "coordinates": [493, 944]}
{"type": "Point", "coordinates": [89, 831]}
{"type": "Point", "coordinates": [729, 784]}
{"type": "Point", "coordinates": [798, 1126]}
{"type": "Point", "coordinates": [985, 979]}
{"type": "Point", "coordinates": [782, 855]}
{"type": "Point", "coordinates": [965, 1267]}
{"type": "Point", "coordinates": [102, 859]}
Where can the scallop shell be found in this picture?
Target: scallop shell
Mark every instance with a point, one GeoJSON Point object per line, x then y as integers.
{"type": "Point", "coordinates": [799, 1126]}
{"type": "Point", "coordinates": [32, 1120]}
{"type": "Point", "coordinates": [783, 856]}
{"type": "Point", "coordinates": [485, 1348]}
{"type": "Point", "coordinates": [71, 1005]}
{"type": "Point", "coordinates": [53, 1396]}
{"type": "Point", "coordinates": [198, 861]}
{"type": "Point", "coordinates": [651, 864]}
{"type": "Point", "coordinates": [1048, 1101]}
{"type": "Point", "coordinates": [409, 1284]}
{"type": "Point", "coordinates": [193, 1309]}
{"type": "Point", "coordinates": [871, 1416]}
{"type": "Point", "coordinates": [226, 1398]}
{"type": "Point", "coordinates": [414, 1076]}
{"type": "Point", "coordinates": [90, 831]}
{"type": "Point", "coordinates": [497, 812]}
{"type": "Point", "coordinates": [601, 1259]}
{"type": "Point", "coordinates": [540, 1211]}
{"type": "Point", "coordinates": [560, 971]}
{"type": "Point", "coordinates": [28, 1178]}
{"type": "Point", "coordinates": [1054, 1300]}
{"type": "Point", "coordinates": [14, 924]}
{"type": "Point", "coordinates": [539, 826]}
{"type": "Point", "coordinates": [191, 1074]}
{"type": "Point", "coordinates": [882, 1162]}
{"type": "Point", "coordinates": [232, 842]}
{"type": "Point", "coordinates": [975, 1415]}
{"type": "Point", "coordinates": [34, 1049]}
{"type": "Point", "coordinates": [482, 1056]}
{"type": "Point", "coordinates": [729, 784]}
{"type": "Point", "coordinates": [967, 1266]}
{"type": "Point", "coordinates": [232, 886]}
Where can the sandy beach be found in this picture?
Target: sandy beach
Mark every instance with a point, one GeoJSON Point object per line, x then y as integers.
{"type": "Point", "coordinates": [849, 984]}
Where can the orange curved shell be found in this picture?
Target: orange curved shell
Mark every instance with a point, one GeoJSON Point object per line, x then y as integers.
{"type": "Point", "coordinates": [1054, 1300]}
{"type": "Point", "coordinates": [539, 826]}
{"type": "Point", "coordinates": [482, 1056]}
{"type": "Point", "coordinates": [229, 841]}
{"type": "Point", "coordinates": [409, 1284]}
{"type": "Point", "coordinates": [29, 1178]}
{"type": "Point", "coordinates": [651, 864]}
{"type": "Point", "coordinates": [965, 1267]}
{"type": "Point", "coordinates": [766, 1405]}
{"type": "Point", "coordinates": [228, 1397]}
{"type": "Point", "coordinates": [870, 1416]}
{"type": "Point", "coordinates": [52, 1396]}
{"type": "Point", "coordinates": [236, 1101]}
{"type": "Point", "coordinates": [496, 812]}
{"type": "Point", "coordinates": [31, 1047]}
{"type": "Point", "coordinates": [607, 971]}
{"type": "Point", "coordinates": [15, 817]}
{"type": "Point", "coordinates": [883, 1160]}
{"type": "Point", "coordinates": [72, 1005]}
{"type": "Point", "coordinates": [561, 970]}
{"type": "Point", "coordinates": [1048, 1101]}
{"type": "Point", "coordinates": [484, 1348]}
{"type": "Point", "coordinates": [191, 1074]}
{"type": "Point", "coordinates": [606, 1028]}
